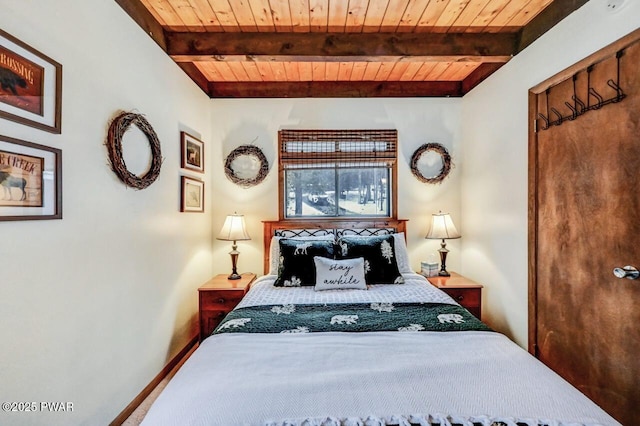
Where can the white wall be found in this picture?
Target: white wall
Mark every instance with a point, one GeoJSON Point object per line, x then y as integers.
{"type": "Point", "coordinates": [418, 121]}
{"type": "Point", "coordinates": [495, 139]}
{"type": "Point", "coordinates": [93, 306]}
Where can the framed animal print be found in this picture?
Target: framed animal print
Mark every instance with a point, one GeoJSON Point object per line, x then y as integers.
{"type": "Point", "coordinates": [30, 86]}
{"type": "Point", "coordinates": [192, 195]}
{"type": "Point", "coordinates": [192, 152]}
{"type": "Point", "coordinates": [30, 180]}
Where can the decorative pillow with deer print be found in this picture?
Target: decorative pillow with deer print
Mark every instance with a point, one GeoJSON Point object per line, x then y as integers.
{"type": "Point", "coordinates": [296, 266]}
{"type": "Point", "coordinates": [380, 264]}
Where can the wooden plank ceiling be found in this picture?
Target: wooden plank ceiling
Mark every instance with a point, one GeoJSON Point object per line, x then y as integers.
{"type": "Point", "coordinates": [343, 48]}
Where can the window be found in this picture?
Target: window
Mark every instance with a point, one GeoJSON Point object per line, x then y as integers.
{"type": "Point", "coordinates": [337, 173]}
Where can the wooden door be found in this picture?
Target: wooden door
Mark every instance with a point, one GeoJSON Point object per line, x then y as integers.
{"type": "Point", "coordinates": [584, 191]}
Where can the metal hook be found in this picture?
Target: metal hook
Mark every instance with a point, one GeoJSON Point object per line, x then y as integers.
{"type": "Point", "coordinates": [545, 119]}
{"type": "Point", "coordinates": [589, 70]}
{"type": "Point", "coordinates": [555, 118]}
{"type": "Point", "coordinates": [592, 92]}
{"type": "Point", "coordinates": [574, 112]}
{"type": "Point", "coordinates": [560, 118]}
{"type": "Point", "coordinates": [580, 106]}
{"type": "Point", "coordinates": [619, 93]}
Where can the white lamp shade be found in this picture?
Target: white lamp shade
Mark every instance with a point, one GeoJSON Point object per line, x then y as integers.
{"type": "Point", "coordinates": [234, 229]}
{"type": "Point", "coordinates": [442, 227]}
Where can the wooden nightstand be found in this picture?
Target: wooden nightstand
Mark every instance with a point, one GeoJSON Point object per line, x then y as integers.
{"type": "Point", "coordinates": [218, 297]}
{"type": "Point", "coordinates": [464, 291]}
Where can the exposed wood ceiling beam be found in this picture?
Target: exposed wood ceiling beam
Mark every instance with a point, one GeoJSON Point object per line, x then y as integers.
{"type": "Point", "coordinates": [545, 20]}
{"type": "Point", "coordinates": [354, 58]}
{"type": "Point", "coordinates": [336, 89]}
{"type": "Point", "coordinates": [478, 75]}
{"type": "Point", "coordinates": [141, 15]}
{"type": "Point", "coordinates": [340, 47]}
{"type": "Point", "coordinates": [196, 75]}
{"type": "Point", "coordinates": [493, 49]}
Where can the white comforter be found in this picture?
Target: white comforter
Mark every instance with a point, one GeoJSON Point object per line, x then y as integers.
{"type": "Point", "coordinates": [415, 289]}
{"type": "Point", "coordinates": [337, 378]}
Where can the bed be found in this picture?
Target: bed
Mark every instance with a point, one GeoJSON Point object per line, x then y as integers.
{"type": "Point", "coordinates": [392, 353]}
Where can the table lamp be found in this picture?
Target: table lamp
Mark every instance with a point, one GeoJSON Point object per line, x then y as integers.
{"type": "Point", "coordinates": [234, 230]}
{"type": "Point", "coordinates": [442, 227]}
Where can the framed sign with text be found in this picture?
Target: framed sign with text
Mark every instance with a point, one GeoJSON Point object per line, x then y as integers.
{"type": "Point", "coordinates": [30, 180]}
{"type": "Point", "coordinates": [30, 86]}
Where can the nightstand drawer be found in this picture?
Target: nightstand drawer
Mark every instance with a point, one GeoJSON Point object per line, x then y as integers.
{"type": "Point", "coordinates": [217, 297]}
{"type": "Point", "coordinates": [466, 292]}
{"type": "Point", "coordinates": [211, 319]}
{"type": "Point", "coordinates": [467, 297]}
{"type": "Point", "coordinates": [224, 300]}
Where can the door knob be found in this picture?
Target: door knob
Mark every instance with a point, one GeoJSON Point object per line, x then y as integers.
{"type": "Point", "coordinates": [628, 272]}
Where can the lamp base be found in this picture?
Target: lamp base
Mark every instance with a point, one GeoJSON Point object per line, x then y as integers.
{"type": "Point", "coordinates": [443, 260]}
{"type": "Point", "coordinates": [234, 262]}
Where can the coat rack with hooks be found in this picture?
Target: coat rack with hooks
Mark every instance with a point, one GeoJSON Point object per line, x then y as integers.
{"type": "Point", "coordinates": [578, 107]}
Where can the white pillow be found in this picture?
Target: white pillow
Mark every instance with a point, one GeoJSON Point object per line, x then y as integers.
{"type": "Point", "coordinates": [333, 274]}
{"type": "Point", "coordinates": [274, 249]}
{"type": "Point", "coordinates": [402, 256]}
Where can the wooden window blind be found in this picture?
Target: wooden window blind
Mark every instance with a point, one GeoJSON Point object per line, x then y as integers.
{"type": "Point", "coordinates": [306, 149]}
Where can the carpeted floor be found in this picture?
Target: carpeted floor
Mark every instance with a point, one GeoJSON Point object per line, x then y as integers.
{"type": "Point", "coordinates": [138, 415]}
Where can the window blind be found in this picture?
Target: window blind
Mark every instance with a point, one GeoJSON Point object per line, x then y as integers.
{"type": "Point", "coordinates": [312, 149]}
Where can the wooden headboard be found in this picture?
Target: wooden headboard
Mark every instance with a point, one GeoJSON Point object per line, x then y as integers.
{"type": "Point", "coordinates": [334, 226]}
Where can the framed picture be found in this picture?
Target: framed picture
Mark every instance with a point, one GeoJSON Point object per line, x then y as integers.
{"type": "Point", "coordinates": [30, 86]}
{"type": "Point", "coordinates": [192, 197]}
{"type": "Point", "coordinates": [30, 180]}
{"type": "Point", "coordinates": [192, 152]}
